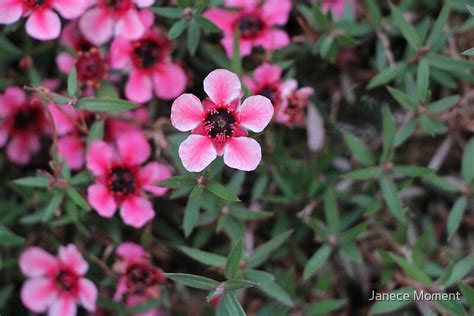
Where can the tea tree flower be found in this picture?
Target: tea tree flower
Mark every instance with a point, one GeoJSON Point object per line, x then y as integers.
{"type": "Point", "coordinates": [219, 124]}
{"type": "Point", "coordinates": [56, 284]}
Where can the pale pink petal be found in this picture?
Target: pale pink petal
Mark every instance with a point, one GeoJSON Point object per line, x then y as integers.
{"type": "Point", "coordinates": [169, 81]}
{"type": "Point", "coordinates": [65, 62]}
{"type": "Point", "coordinates": [72, 149]}
{"type": "Point", "coordinates": [130, 26]}
{"type": "Point", "coordinates": [305, 92]}
{"type": "Point", "coordinates": [121, 289]}
{"type": "Point", "coordinates": [71, 257]}
{"type": "Point", "coordinates": [63, 306]}
{"type": "Point", "coordinates": [13, 98]}
{"type": "Point", "coordinates": [197, 152]}
{"type": "Point", "coordinates": [130, 251]}
{"type": "Point", "coordinates": [267, 73]}
{"type": "Point", "coordinates": [152, 173]}
{"type": "Point", "coordinates": [139, 87]}
{"type": "Point", "coordinates": [242, 153]}
{"type": "Point", "coordinates": [97, 26]}
{"type": "Point", "coordinates": [70, 9]}
{"type": "Point", "coordinates": [35, 262]}
{"type": "Point", "coordinates": [273, 39]}
{"type": "Point", "coordinates": [10, 11]}
{"type": "Point", "coordinates": [249, 5]}
{"type": "Point", "coordinates": [224, 19]}
{"type": "Point", "coordinates": [134, 148]}
{"type": "Point", "coordinates": [87, 294]}
{"type": "Point", "coordinates": [38, 294]}
{"type": "Point", "coordinates": [222, 86]}
{"type": "Point", "coordinates": [99, 158]}
{"type": "Point", "coordinates": [288, 87]}
{"type": "Point", "coordinates": [120, 53]}
{"type": "Point", "coordinates": [63, 118]}
{"type": "Point", "coordinates": [136, 211]}
{"type": "Point", "coordinates": [20, 148]}
{"type": "Point", "coordinates": [244, 45]}
{"type": "Point", "coordinates": [70, 35]}
{"type": "Point", "coordinates": [276, 11]}
{"type": "Point", "coordinates": [147, 17]}
{"type": "Point", "coordinates": [255, 113]}
{"type": "Point", "coordinates": [101, 199]}
{"type": "Point", "coordinates": [43, 25]}
{"type": "Point", "coordinates": [144, 3]}
{"type": "Point", "coordinates": [186, 112]}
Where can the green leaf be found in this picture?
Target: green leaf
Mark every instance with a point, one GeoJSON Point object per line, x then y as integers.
{"type": "Point", "coordinates": [358, 149]}
{"type": "Point", "coordinates": [388, 134]}
{"type": "Point", "coordinates": [432, 126]}
{"type": "Point", "coordinates": [221, 191]}
{"type": "Point", "coordinates": [273, 290]}
{"type": "Point", "coordinates": [173, 13]}
{"type": "Point", "coordinates": [386, 75]}
{"type": "Point", "coordinates": [402, 99]}
{"type": "Point", "coordinates": [245, 214]}
{"type": "Point", "coordinates": [443, 104]}
{"type": "Point", "coordinates": [316, 261]}
{"type": "Point", "coordinates": [207, 24]}
{"type": "Point", "coordinates": [53, 204]}
{"type": "Point", "coordinates": [77, 198]}
{"type": "Point", "coordinates": [194, 281]}
{"type": "Point", "coordinates": [237, 284]}
{"type": "Point", "coordinates": [468, 52]}
{"type": "Point", "coordinates": [324, 307]}
{"type": "Point", "coordinates": [72, 82]}
{"type": "Point", "coordinates": [5, 294]}
{"type": "Point", "coordinates": [467, 292]}
{"type": "Point", "coordinates": [455, 216]}
{"type": "Point", "coordinates": [441, 183]}
{"type": "Point", "coordinates": [177, 182]}
{"type": "Point", "coordinates": [232, 305]}
{"type": "Point", "coordinates": [105, 105]}
{"type": "Point", "coordinates": [35, 182]}
{"type": "Point", "coordinates": [390, 194]}
{"type": "Point", "coordinates": [363, 174]}
{"type": "Point", "coordinates": [325, 45]}
{"type": "Point", "coordinates": [467, 167]}
{"type": "Point", "coordinates": [96, 132]}
{"type": "Point", "coordinates": [374, 11]}
{"type": "Point", "coordinates": [8, 238]}
{"type": "Point", "coordinates": [331, 210]}
{"type": "Point", "coordinates": [405, 132]}
{"type": "Point", "coordinates": [412, 171]}
{"type": "Point", "coordinates": [351, 251]}
{"type": "Point", "coordinates": [236, 62]}
{"type": "Point", "coordinates": [233, 260]}
{"type": "Point", "coordinates": [191, 213]}
{"type": "Point", "coordinates": [383, 307]}
{"type": "Point", "coordinates": [423, 79]}
{"type": "Point", "coordinates": [460, 270]}
{"type": "Point", "coordinates": [412, 270]}
{"type": "Point", "coordinates": [258, 276]}
{"type": "Point", "coordinates": [263, 251]}
{"type": "Point", "coordinates": [177, 28]}
{"type": "Point", "coordinates": [440, 23]}
{"type": "Point", "coordinates": [193, 36]}
{"type": "Point", "coordinates": [204, 257]}
{"type": "Point", "coordinates": [407, 29]}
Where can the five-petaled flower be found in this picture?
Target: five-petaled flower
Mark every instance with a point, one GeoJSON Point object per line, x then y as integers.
{"type": "Point", "coordinates": [256, 23]}
{"type": "Point", "coordinates": [42, 23]}
{"type": "Point", "coordinates": [56, 284]}
{"type": "Point", "coordinates": [121, 180]}
{"type": "Point", "coordinates": [219, 124]}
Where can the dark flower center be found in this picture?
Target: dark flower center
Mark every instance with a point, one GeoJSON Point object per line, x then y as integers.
{"type": "Point", "coordinates": [66, 281]}
{"type": "Point", "coordinates": [268, 92]}
{"type": "Point", "coordinates": [26, 118]}
{"type": "Point", "coordinates": [122, 180]}
{"type": "Point", "coordinates": [141, 275]}
{"type": "Point", "coordinates": [117, 5]}
{"type": "Point", "coordinates": [35, 4]}
{"type": "Point", "coordinates": [250, 26]}
{"type": "Point", "coordinates": [91, 67]}
{"type": "Point", "coordinates": [146, 53]}
{"type": "Point", "coordinates": [220, 124]}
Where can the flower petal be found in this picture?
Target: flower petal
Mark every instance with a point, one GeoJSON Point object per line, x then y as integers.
{"type": "Point", "coordinates": [139, 87]}
{"type": "Point", "coordinates": [71, 257]}
{"type": "Point", "coordinates": [273, 39]}
{"type": "Point", "coordinates": [43, 25]}
{"type": "Point", "coordinates": [130, 251]}
{"type": "Point", "coordinates": [197, 152]}
{"type": "Point", "coordinates": [35, 262]}
{"type": "Point", "coordinates": [249, 5]}
{"type": "Point", "coordinates": [276, 11]}
{"type": "Point", "coordinates": [152, 173]}
{"type": "Point", "coordinates": [38, 294]}
{"type": "Point", "coordinates": [101, 199]}
{"type": "Point", "coordinates": [144, 3]}
{"type": "Point", "coordinates": [3, 133]}
{"type": "Point", "coordinates": [13, 98]}
{"type": "Point", "coordinates": [72, 149]}
{"type": "Point", "coordinates": [169, 81]}
{"type": "Point", "coordinates": [97, 26]}
{"type": "Point", "coordinates": [222, 86]}
{"type": "Point", "coordinates": [267, 73]}
{"type": "Point", "coordinates": [65, 62]}
{"type": "Point", "coordinates": [136, 211]}
{"type": "Point", "coordinates": [63, 306]}
{"type": "Point", "coordinates": [70, 9]}
{"type": "Point", "coordinates": [242, 153]}
{"type": "Point", "coordinates": [21, 147]}
{"type": "Point", "coordinates": [99, 158]}
{"type": "Point", "coordinates": [87, 294]}
{"type": "Point", "coordinates": [228, 43]}
{"type": "Point", "coordinates": [10, 11]}
{"type": "Point", "coordinates": [120, 52]}
{"type": "Point", "coordinates": [224, 19]}
{"type": "Point", "coordinates": [130, 26]}
{"type": "Point", "coordinates": [186, 112]}
{"type": "Point", "coordinates": [255, 113]}
{"type": "Point", "coordinates": [133, 148]}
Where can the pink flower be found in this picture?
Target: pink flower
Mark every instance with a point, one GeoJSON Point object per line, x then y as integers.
{"type": "Point", "coordinates": [150, 65]}
{"type": "Point", "coordinates": [56, 284]}
{"type": "Point", "coordinates": [266, 81]}
{"type": "Point", "coordinates": [293, 105]}
{"type": "Point", "coordinates": [114, 18]}
{"type": "Point", "coordinates": [219, 124]}
{"type": "Point", "coordinates": [337, 7]}
{"type": "Point", "coordinates": [256, 22]}
{"type": "Point", "coordinates": [121, 180]}
{"type": "Point", "coordinates": [139, 280]}
{"type": "Point", "coordinates": [43, 23]}
{"type": "Point", "coordinates": [22, 122]}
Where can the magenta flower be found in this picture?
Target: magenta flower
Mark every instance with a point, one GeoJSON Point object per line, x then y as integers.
{"type": "Point", "coordinates": [121, 180]}
{"type": "Point", "coordinates": [256, 22]}
{"type": "Point", "coordinates": [22, 122]}
{"type": "Point", "coordinates": [294, 102]}
{"type": "Point", "coordinates": [139, 280]}
{"type": "Point", "coordinates": [150, 65]}
{"type": "Point", "coordinates": [114, 18]}
{"type": "Point", "coordinates": [266, 81]}
{"type": "Point", "coordinates": [56, 284]}
{"type": "Point", "coordinates": [219, 124]}
{"type": "Point", "coordinates": [43, 23]}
